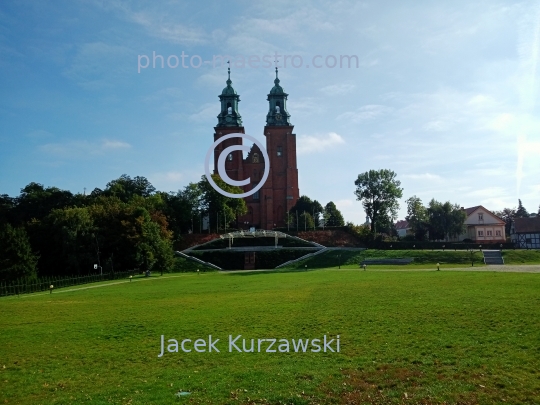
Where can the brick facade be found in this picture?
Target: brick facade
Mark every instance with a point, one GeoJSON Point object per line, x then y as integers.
{"type": "Point", "coordinates": [268, 207]}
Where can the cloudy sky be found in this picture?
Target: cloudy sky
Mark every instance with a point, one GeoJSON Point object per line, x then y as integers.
{"type": "Point", "coordinates": [444, 93]}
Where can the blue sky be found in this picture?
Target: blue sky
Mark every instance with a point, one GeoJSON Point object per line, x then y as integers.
{"type": "Point", "coordinates": [445, 93]}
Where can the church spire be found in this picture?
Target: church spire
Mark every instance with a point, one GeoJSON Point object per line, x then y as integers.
{"type": "Point", "coordinates": [229, 115]}
{"type": "Point", "coordinates": [277, 99]}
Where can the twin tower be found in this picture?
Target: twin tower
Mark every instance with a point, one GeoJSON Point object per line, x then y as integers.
{"type": "Point", "coordinates": [268, 207]}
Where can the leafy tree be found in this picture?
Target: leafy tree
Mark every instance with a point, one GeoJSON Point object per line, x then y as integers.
{"type": "Point", "coordinates": [214, 203]}
{"type": "Point", "coordinates": [417, 217]}
{"type": "Point", "coordinates": [445, 220]}
{"type": "Point", "coordinates": [362, 231]}
{"type": "Point", "coordinates": [152, 249]}
{"type": "Point", "coordinates": [521, 212]}
{"type": "Point", "coordinates": [379, 191]}
{"type": "Point", "coordinates": [7, 204]}
{"type": "Point", "coordinates": [183, 209]}
{"type": "Point", "coordinates": [125, 188]}
{"type": "Point", "coordinates": [334, 217]}
{"type": "Point", "coordinates": [304, 203]}
{"type": "Point", "coordinates": [507, 215]}
{"type": "Point", "coordinates": [16, 256]}
{"type": "Point", "coordinates": [69, 247]}
{"type": "Point", "coordinates": [306, 221]}
{"type": "Point", "coordinates": [36, 201]}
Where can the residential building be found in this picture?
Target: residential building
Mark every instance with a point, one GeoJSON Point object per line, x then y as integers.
{"type": "Point", "coordinates": [403, 228]}
{"type": "Point", "coordinates": [483, 226]}
{"type": "Point", "coordinates": [525, 232]}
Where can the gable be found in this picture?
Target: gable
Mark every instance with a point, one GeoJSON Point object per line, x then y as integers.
{"type": "Point", "coordinates": [487, 217]}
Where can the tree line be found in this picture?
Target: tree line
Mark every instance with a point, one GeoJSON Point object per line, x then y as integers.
{"type": "Point", "coordinates": [380, 191]}
{"type": "Point", "coordinates": [47, 231]}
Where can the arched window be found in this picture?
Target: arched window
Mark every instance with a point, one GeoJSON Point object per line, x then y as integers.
{"type": "Point", "coordinates": [229, 157]}
{"type": "Point", "coordinates": [255, 158]}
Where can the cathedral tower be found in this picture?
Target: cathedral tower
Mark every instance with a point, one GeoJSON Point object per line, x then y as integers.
{"type": "Point", "coordinates": [280, 192]}
{"type": "Point", "coordinates": [229, 121]}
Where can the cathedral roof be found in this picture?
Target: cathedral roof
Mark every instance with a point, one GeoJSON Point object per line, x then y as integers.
{"type": "Point", "coordinates": [277, 89]}
{"type": "Point", "coordinates": [229, 90]}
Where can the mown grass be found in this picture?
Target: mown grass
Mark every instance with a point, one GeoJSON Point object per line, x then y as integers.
{"type": "Point", "coordinates": [422, 258]}
{"type": "Point", "coordinates": [521, 256]}
{"type": "Point", "coordinates": [430, 337]}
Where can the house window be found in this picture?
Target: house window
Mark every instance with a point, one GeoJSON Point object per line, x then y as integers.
{"type": "Point", "coordinates": [497, 233]}
{"type": "Point", "coordinates": [279, 151]}
{"type": "Point", "coordinates": [480, 233]}
{"type": "Point", "coordinates": [481, 217]}
{"type": "Point", "coordinates": [489, 233]}
{"type": "Point", "coordinates": [255, 158]}
{"type": "Point", "coordinates": [229, 158]}
{"type": "Point", "coordinates": [527, 240]}
{"type": "Point", "coordinates": [256, 195]}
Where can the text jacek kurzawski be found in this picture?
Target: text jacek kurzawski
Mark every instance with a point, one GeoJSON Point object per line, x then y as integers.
{"type": "Point", "coordinates": [237, 344]}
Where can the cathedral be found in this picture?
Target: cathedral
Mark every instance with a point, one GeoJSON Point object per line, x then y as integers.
{"type": "Point", "coordinates": [268, 207]}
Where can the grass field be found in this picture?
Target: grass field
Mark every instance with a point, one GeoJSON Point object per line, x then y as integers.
{"type": "Point", "coordinates": [406, 338]}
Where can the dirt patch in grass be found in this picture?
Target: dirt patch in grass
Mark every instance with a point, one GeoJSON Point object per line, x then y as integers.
{"type": "Point", "coordinates": [387, 384]}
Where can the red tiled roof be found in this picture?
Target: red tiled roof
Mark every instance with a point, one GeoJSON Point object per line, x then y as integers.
{"type": "Point", "coordinates": [469, 211]}
{"type": "Point", "coordinates": [402, 224]}
{"type": "Point", "coordinates": [527, 225]}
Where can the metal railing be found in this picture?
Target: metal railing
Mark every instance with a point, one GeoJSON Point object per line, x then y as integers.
{"type": "Point", "coordinates": [33, 285]}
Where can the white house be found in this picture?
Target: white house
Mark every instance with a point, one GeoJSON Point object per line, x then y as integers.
{"type": "Point", "coordinates": [403, 228]}
{"type": "Point", "coordinates": [483, 226]}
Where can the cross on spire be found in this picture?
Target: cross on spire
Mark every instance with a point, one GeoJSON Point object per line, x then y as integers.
{"type": "Point", "coordinates": [229, 73]}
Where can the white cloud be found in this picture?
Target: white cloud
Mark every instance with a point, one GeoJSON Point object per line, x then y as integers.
{"type": "Point", "coordinates": [338, 89]}
{"type": "Point", "coordinates": [115, 145]}
{"type": "Point", "coordinates": [309, 144]}
{"type": "Point", "coordinates": [366, 112]}
{"type": "Point", "coordinates": [207, 113]}
{"type": "Point", "coordinates": [81, 149]}
{"type": "Point", "coordinates": [423, 176]}
{"type": "Point", "coordinates": [160, 22]}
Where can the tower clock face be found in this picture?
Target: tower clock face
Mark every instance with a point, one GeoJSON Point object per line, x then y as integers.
{"type": "Point", "coordinates": [278, 117]}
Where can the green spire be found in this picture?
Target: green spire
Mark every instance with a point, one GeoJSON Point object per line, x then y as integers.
{"type": "Point", "coordinates": [229, 115]}
{"type": "Point", "coordinates": [277, 114]}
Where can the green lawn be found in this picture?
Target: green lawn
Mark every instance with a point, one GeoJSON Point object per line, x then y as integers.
{"type": "Point", "coordinates": [418, 337]}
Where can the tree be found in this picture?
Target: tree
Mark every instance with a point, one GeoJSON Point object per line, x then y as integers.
{"type": "Point", "coordinates": [417, 217]}
{"type": "Point", "coordinates": [379, 191]}
{"type": "Point", "coordinates": [304, 203]}
{"type": "Point", "coordinates": [445, 220]}
{"type": "Point", "coordinates": [334, 217]}
{"type": "Point", "coordinates": [183, 209]}
{"type": "Point", "coordinates": [213, 203]}
{"type": "Point", "coordinates": [306, 221]}
{"type": "Point", "coordinates": [521, 212]}
{"type": "Point", "coordinates": [507, 215]}
{"type": "Point", "coordinates": [16, 257]}
{"type": "Point", "coordinates": [126, 187]}
{"type": "Point", "coordinates": [36, 201]}
{"type": "Point", "coordinates": [69, 246]}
